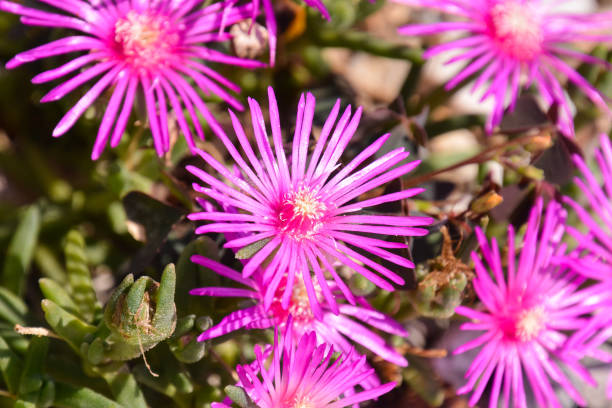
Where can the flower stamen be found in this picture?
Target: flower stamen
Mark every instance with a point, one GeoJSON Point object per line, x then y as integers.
{"type": "Point", "coordinates": [145, 40]}
{"type": "Point", "coordinates": [301, 214]}
{"type": "Point", "coordinates": [516, 30]}
{"type": "Point", "coordinates": [530, 323]}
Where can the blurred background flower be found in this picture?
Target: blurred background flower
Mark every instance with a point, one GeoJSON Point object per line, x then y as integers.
{"type": "Point", "coordinates": [150, 47]}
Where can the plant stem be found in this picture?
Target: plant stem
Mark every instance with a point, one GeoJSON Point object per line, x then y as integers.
{"type": "Point", "coordinates": [478, 158]}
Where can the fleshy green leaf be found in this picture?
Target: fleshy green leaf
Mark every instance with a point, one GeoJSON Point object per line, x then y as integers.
{"type": "Point", "coordinates": [66, 325]}
{"type": "Point", "coordinates": [10, 366]}
{"type": "Point", "coordinates": [56, 293]}
{"type": "Point", "coordinates": [24, 404]}
{"type": "Point", "coordinates": [250, 250]}
{"type": "Point", "coordinates": [67, 396]}
{"type": "Point", "coordinates": [239, 396]}
{"type": "Point", "coordinates": [12, 308]}
{"type": "Point", "coordinates": [190, 275]}
{"type": "Point", "coordinates": [20, 250]}
{"type": "Point", "coordinates": [32, 373]}
{"type": "Point", "coordinates": [47, 262]}
{"type": "Point", "coordinates": [17, 342]}
{"type": "Point", "coordinates": [125, 389]}
{"type": "Point", "coordinates": [79, 277]}
{"type": "Point", "coordinates": [165, 312]}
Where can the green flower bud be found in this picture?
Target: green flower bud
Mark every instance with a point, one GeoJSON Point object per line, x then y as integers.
{"type": "Point", "coordinates": [140, 314]}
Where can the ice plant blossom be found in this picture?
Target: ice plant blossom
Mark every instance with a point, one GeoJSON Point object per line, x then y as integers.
{"type": "Point", "coordinates": [300, 210]}
{"type": "Point", "coordinates": [302, 375]}
{"type": "Point", "coordinates": [334, 329]}
{"type": "Point", "coordinates": [511, 44]}
{"type": "Point", "coordinates": [595, 250]}
{"type": "Point", "coordinates": [157, 47]}
{"type": "Point", "coordinates": [525, 316]}
{"type": "Point", "coordinates": [597, 242]}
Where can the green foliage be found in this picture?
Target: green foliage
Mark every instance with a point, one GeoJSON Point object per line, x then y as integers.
{"type": "Point", "coordinates": [79, 279]}
{"type": "Point", "coordinates": [12, 308]}
{"type": "Point", "coordinates": [139, 316]}
{"type": "Point", "coordinates": [20, 251]}
{"type": "Point", "coordinates": [239, 396]}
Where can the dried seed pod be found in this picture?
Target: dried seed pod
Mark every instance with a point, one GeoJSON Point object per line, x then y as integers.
{"type": "Point", "coordinates": [249, 39]}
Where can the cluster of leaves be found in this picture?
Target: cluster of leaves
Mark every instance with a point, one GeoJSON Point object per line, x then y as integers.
{"type": "Point", "coordinates": [83, 355]}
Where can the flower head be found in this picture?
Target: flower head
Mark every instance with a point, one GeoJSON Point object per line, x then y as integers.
{"type": "Point", "coordinates": [302, 375]}
{"type": "Point", "coordinates": [155, 45]}
{"type": "Point", "coordinates": [506, 40]}
{"type": "Point", "coordinates": [597, 243]}
{"type": "Point", "coordinates": [526, 316]}
{"type": "Point", "coordinates": [594, 253]}
{"type": "Point", "coordinates": [300, 209]}
{"type": "Point", "coordinates": [334, 329]}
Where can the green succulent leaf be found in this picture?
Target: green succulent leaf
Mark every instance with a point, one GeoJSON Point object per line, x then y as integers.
{"type": "Point", "coordinates": [250, 250]}
{"type": "Point", "coordinates": [20, 251]}
{"type": "Point", "coordinates": [79, 278]}
{"type": "Point", "coordinates": [125, 389]}
{"type": "Point", "coordinates": [56, 293]}
{"type": "Point", "coordinates": [68, 396]}
{"type": "Point", "coordinates": [164, 318]}
{"type": "Point", "coordinates": [18, 343]}
{"type": "Point", "coordinates": [24, 404]}
{"type": "Point", "coordinates": [190, 275]}
{"type": "Point", "coordinates": [32, 373]}
{"type": "Point", "coordinates": [239, 396]}
{"type": "Point", "coordinates": [48, 263]}
{"type": "Point", "coordinates": [11, 366]}
{"type": "Point", "coordinates": [66, 325]}
{"type": "Point", "coordinates": [12, 308]}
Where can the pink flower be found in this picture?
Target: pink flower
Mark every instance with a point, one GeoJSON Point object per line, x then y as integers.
{"type": "Point", "coordinates": [525, 316]}
{"type": "Point", "coordinates": [301, 210]}
{"type": "Point", "coordinates": [594, 258]}
{"type": "Point", "coordinates": [334, 329]}
{"type": "Point", "coordinates": [598, 241]}
{"type": "Point", "coordinates": [504, 40]}
{"type": "Point", "coordinates": [154, 45]}
{"type": "Point", "coordinates": [302, 375]}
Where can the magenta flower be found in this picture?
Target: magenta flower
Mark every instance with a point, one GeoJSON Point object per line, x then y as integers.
{"type": "Point", "coordinates": [302, 375]}
{"type": "Point", "coordinates": [598, 330]}
{"type": "Point", "coordinates": [334, 329]}
{"type": "Point", "coordinates": [598, 241]}
{"type": "Point", "coordinates": [157, 45]}
{"type": "Point", "coordinates": [508, 39]}
{"type": "Point", "coordinates": [594, 260]}
{"type": "Point", "coordinates": [301, 209]}
{"type": "Point", "coordinates": [526, 316]}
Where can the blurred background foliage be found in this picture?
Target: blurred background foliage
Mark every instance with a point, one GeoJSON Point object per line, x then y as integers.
{"type": "Point", "coordinates": [73, 230]}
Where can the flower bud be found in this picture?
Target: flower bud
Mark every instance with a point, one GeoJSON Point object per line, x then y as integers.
{"type": "Point", "coordinates": [141, 314]}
